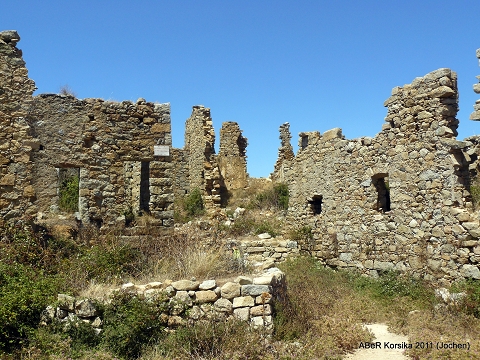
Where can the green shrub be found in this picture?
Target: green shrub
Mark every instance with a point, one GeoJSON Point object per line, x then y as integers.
{"type": "Point", "coordinates": [275, 198]}
{"type": "Point", "coordinates": [108, 264]}
{"type": "Point", "coordinates": [194, 203]}
{"type": "Point", "coordinates": [475, 192]}
{"type": "Point", "coordinates": [391, 284]}
{"type": "Point", "coordinates": [304, 234]}
{"type": "Point", "coordinates": [24, 293]}
{"type": "Point", "coordinates": [68, 194]}
{"type": "Point", "coordinates": [131, 323]}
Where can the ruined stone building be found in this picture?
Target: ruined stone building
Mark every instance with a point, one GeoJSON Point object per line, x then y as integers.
{"type": "Point", "coordinates": [198, 166]}
{"type": "Point", "coordinates": [401, 200]}
{"type": "Point", "coordinates": [120, 152]}
{"type": "Point", "coordinates": [398, 201]}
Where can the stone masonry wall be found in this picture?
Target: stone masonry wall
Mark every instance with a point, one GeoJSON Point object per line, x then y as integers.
{"type": "Point", "coordinates": [232, 159]}
{"type": "Point", "coordinates": [250, 299]}
{"type": "Point", "coordinates": [397, 201]}
{"type": "Point", "coordinates": [285, 154]}
{"type": "Point", "coordinates": [202, 164]}
{"type": "Point", "coordinates": [16, 142]}
{"type": "Point", "coordinates": [112, 145]}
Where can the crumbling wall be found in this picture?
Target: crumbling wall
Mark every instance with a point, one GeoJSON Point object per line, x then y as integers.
{"type": "Point", "coordinates": [16, 142]}
{"type": "Point", "coordinates": [112, 144]}
{"type": "Point", "coordinates": [475, 115]}
{"type": "Point", "coordinates": [202, 163]}
{"type": "Point", "coordinates": [232, 159]}
{"type": "Point", "coordinates": [285, 154]}
{"type": "Point", "coordinates": [397, 201]}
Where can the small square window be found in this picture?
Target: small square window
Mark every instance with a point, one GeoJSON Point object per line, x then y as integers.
{"type": "Point", "coordinates": [316, 204]}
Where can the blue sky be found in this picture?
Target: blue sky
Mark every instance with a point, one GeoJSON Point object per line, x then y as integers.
{"type": "Point", "coordinates": [315, 64]}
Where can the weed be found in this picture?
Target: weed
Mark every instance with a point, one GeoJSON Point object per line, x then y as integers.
{"type": "Point", "coordinates": [67, 91]}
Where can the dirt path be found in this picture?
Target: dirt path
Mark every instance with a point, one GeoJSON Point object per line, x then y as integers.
{"type": "Point", "coordinates": [382, 335]}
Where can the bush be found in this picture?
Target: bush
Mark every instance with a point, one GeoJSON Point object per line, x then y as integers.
{"type": "Point", "coordinates": [189, 206]}
{"type": "Point", "coordinates": [68, 194]}
{"type": "Point", "coordinates": [275, 198]}
{"type": "Point", "coordinates": [110, 264]}
{"type": "Point", "coordinates": [130, 323]}
{"type": "Point", "coordinates": [248, 224]}
{"type": "Point", "coordinates": [24, 293]}
{"type": "Point", "coordinates": [475, 193]}
{"type": "Point", "coordinates": [304, 234]}
{"type": "Point", "coordinates": [194, 203]}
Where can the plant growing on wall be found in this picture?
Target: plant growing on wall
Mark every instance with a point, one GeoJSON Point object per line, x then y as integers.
{"type": "Point", "coordinates": [68, 194]}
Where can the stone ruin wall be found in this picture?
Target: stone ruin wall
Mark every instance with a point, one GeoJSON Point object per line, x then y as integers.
{"type": "Point", "coordinates": [398, 201]}
{"type": "Point", "coordinates": [198, 166]}
{"type": "Point", "coordinates": [285, 154]}
{"type": "Point", "coordinates": [16, 142]}
{"type": "Point", "coordinates": [232, 158]}
{"type": "Point", "coordinates": [249, 299]}
{"type": "Point", "coordinates": [112, 146]}
{"type": "Point", "coordinates": [200, 147]}
{"type": "Point", "coordinates": [106, 143]}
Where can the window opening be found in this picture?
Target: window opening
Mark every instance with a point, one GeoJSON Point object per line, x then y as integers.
{"type": "Point", "coordinates": [316, 204]}
{"type": "Point", "coordinates": [304, 141]}
{"type": "Point", "coordinates": [68, 189]}
{"type": "Point", "coordinates": [381, 184]}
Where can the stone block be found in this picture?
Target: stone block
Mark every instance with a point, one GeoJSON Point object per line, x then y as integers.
{"type": "Point", "coordinates": [261, 310]}
{"type": "Point", "coordinates": [208, 285]}
{"type": "Point", "coordinates": [243, 280]}
{"type": "Point", "coordinates": [255, 290]}
{"type": "Point", "coordinates": [242, 313]}
{"type": "Point", "coordinates": [85, 309]}
{"type": "Point", "coordinates": [223, 305]}
{"type": "Point", "coordinates": [185, 285]}
{"type": "Point", "coordinates": [243, 301]}
{"type": "Point", "coordinates": [66, 302]}
{"type": "Point", "coordinates": [205, 296]}
{"type": "Point", "coordinates": [230, 290]}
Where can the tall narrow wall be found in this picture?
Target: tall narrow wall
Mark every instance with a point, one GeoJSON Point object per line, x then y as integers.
{"type": "Point", "coordinates": [202, 163]}
{"type": "Point", "coordinates": [285, 154]}
{"type": "Point", "coordinates": [397, 201]}
{"type": "Point", "coordinates": [16, 143]}
{"type": "Point", "coordinates": [232, 158]}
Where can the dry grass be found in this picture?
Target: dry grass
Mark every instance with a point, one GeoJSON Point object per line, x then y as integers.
{"type": "Point", "coordinates": [443, 326]}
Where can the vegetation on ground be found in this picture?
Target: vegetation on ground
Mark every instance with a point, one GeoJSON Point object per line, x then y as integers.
{"type": "Point", "coordinates": [321, 318]}
{"type": "Point", "coordinates": [189, 206]}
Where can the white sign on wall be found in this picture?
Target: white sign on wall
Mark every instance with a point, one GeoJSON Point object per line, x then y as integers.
{"type": "Point", "coordinates": [161, 150]}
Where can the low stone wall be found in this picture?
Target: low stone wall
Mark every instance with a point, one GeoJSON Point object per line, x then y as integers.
{"type": "Point", "coordinates": [250, 299]}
